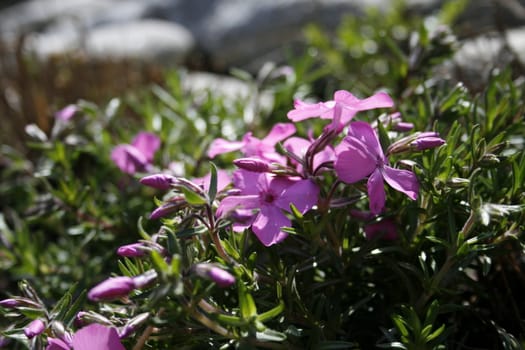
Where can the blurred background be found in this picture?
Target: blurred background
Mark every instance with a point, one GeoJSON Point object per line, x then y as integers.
{"type": "Point", "coordinates": [54, 52]}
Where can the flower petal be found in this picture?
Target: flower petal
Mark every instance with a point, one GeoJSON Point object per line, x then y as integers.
{"type": "Point", "coordinates": [303, 195]}
{"type": "Point", "coordinates": [279, 132]}
{"type": "Point", "coordinates": [353, 161]}
{"type": "Point", "coordinates": [147, 143]}
{"type": "Point", "coordinates": [364, 132]}
{"type": "Point", "coordinates": [220, 146]}
{"type": "Point", "coordinates": [56, 344]}
{"type": "Point", "coordinates": [402, 180]}
{"type": "Point", "coordinates": [268, 224]}
{"type": "Point", "coordinates": [231, 203]}
{"type": "Point", "coordinates": [128, 159]}
{"type": "Point", "coordinates": [305, 110]}
{"type": "Point", "coordinates": [96, 336]}
{"type": "Point", "coordinates": [376, 192]}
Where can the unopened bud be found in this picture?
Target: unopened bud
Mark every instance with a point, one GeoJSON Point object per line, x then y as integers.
{"type": "Point", "coordinates": [133, 324]}
{"type": "Point", "coordinates": [252, 164]}
{"type": "Point", "coordinates": [159, 181]}
{"type": "Point", "coordinates": [112, 288]}
{"type": "Point", "coordinates": [427, 140]}
{"type": "Point", "coordinates": [134, 250]}
{"type": "Point", "coordinates": [34, 328]}
{"type": "Point", "coordinates": [221, 277]}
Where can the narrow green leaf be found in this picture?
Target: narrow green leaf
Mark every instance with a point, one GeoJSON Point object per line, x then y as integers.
{"type": "Point", "coordinates": [212, 192]}
{"type": "Point", "coordinates": [271, 313]}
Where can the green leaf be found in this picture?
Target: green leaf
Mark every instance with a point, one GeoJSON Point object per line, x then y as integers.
{"type": "Point", "coordinates": [246, 303]}
{"type": "Point", "coordinates": [271, 313]}
{"type": "Point", "coordinates": [212, 192]}
{"type": "Point", "coordinates": [192, 197]}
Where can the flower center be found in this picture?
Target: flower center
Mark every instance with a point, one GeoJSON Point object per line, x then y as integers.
{"type": "Point", "coordinates": [268, 197]}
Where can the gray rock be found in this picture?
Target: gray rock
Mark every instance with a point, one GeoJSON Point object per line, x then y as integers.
{"type": "Point", "coordinates": [478, 57]}
{"type": "Point", "coordinates": [148, 40]}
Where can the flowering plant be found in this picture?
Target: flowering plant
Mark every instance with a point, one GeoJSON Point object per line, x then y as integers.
{"type": "Point", "coordinates": [386, 221]}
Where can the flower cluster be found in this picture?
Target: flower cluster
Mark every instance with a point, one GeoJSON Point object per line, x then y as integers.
{"type": "Point", "coordinates": [270, 185]}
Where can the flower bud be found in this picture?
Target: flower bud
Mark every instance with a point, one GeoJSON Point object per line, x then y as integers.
{"type": "Point", "coordinates": [221, 277]}
{"type": "Point", "coordinates": [34, 328]}
{"type": "Point", "coordinates": [159, 181]}
{"type": "Point", "coordinates": [146, 278]}
{"type": "Point", "coordinates": [133, 324]}
{"type": "Point", "coordinates": [112, 288]}
{"type": "Point", "coordinates": [427, 140]}
{"type": "Point", "coordinates": [9, 303]}
{"type": "Point", "coordinates": [134, 250]}
{"type": "Point", "coordinates": [403, 126]}
{"type": "Point", "coordinates": [252, 164]}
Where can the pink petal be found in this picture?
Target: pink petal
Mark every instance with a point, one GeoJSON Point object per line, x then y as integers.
{"type": "Point", "coordinates": [56, 344]}
{"type": "Point", "coordinates": [302, 194]}
{"type": "Point", "coordinates": [147, 143]}
{"type": "Point", "coordinates": [376, 192]}
{"type": "Point", "coordinates": [378, 100]}
{"type": "Point", "coordinates": [128, 158]}
{"type": "Point", "coordinates": [268, 224]}
{"type": "Point", "coordinates": [96, 336]}
{"type": "Point", "coordinates": [305, 110]}
{"type": "Point", "coordinates": [229, 204]}
{"type": "Point", "coordinates": [279, 132]}
{"type": "Point", "coordinates": [223, 180]}
{"type": "Point", "coordinates": [364, 132]}
{"type": "Point", "coordinates": [402, 180]}
{"type": "Point", "coordinates": [245, 181]}
{"type": "Point", "coordinates": [297, 145]}
{"type": "Point", "coordinates": [220, 146]}
{"type": "Point", "coordinates": [353, 161]}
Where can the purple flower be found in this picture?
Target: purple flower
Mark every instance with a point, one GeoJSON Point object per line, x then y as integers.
{"type": "Point", "coordinates": [341, 109]}
{"type": "Point", "coordinates": [112, 288]}
{"type": "Point", "coordinates": [251, 146]}
{"type": "Point", "coordinates": [301, 147]}
{"type": "Point", "coordinates": [34, 328]}
{"type": "Point", "coordinates": [56, 344]}
{"type": "Point", "coordinates": [271, 195]}
{"type": "Point", "coordinates": [96, 336]}
{"type": "Point", "coordinates": [138, 155]}
{"type": "Point", "coordinates": [360, 155]}
{"type": "Point", "coordinates": [221, 277]}
{"type": "Point", "coordinates": [66, 113]}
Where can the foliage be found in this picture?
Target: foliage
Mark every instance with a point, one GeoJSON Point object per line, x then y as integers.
{"type": "Point", "coordinates": [452, 279]}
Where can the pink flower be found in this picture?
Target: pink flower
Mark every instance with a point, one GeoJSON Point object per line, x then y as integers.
{"type": "Point", "coordinates": [138, 155]}
{"type": "Point", "coordinates": [341, 109]}
{"type": "Point", "coordinates": [360, 155]}
{"type": "Point", "coordinates": [96, 336]}
{"type": "Point", "coordinates": [34, 328]}
{"type": "Point", "coordinates": [301, 147]}
{"type": "Point", "coordinates": [251, 146]}
{"type": "Point", "coordinates": [66, 113]}
{"type": "Point", "coordinates": [272, 195]}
